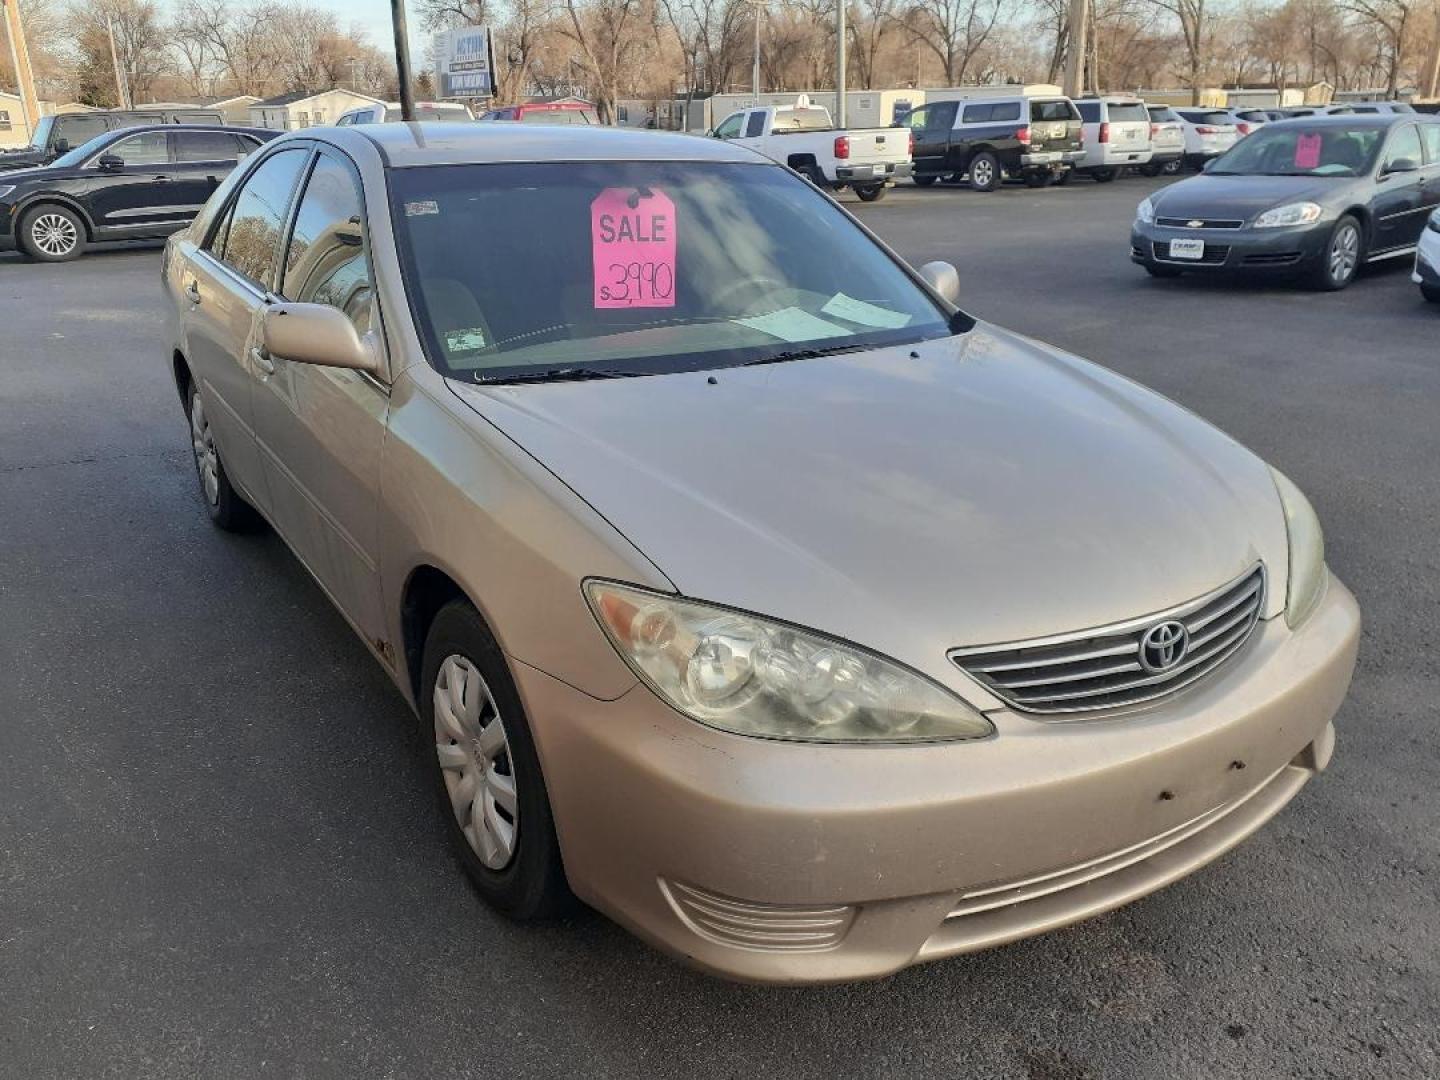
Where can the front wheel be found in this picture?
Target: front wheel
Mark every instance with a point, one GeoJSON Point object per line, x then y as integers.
{"type": "Point", "coordinates": [1172, 167]}
{"type": "Point", "coordinates": [1038, 179]}
{"type": "Point", "coordinates": [227, 509]}
{"type": "Point", "coordinates": [52, 234]}
{"type": "Point", "coordinates": [1151, 169]}
{"type": "Point", "coordinates": [924, 181]}
{"type": "Point", "coordinates": [1104, 176]}
{"type": "Point", "coordinates": [871, 192]}
{"type": "Point", "coordinates": [492, 794]}
{"type": "Point", "coordinates": [985, 171]}
{"type": "Point", "coordinates": [1064, 177]}
{"type": "Point", "coordinates": [1340, 260]}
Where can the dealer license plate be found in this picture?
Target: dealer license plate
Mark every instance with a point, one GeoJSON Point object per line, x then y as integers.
{"type": "Point", "coordinates": [1187, 249]}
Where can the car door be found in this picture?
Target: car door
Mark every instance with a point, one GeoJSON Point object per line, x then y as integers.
{"type": "Point", "coordinates": [201, 159]}
{"type": "Point", "coordinates": [132, 196]}
{"type": "Point", "coordinates": [224, 287]}
{"type": "Point", "coordinates": [1398, 206]}
{"type": "Point", "coordinates": [932, 126]}
{"type": "Point", "coordinates": [320, 430]}
{"type": "Point", "coordinates": [1430, 185]}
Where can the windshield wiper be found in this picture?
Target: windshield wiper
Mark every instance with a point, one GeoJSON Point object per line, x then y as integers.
{"type": "Point", "coordinates": [804, 354]}
{"type": "Point", "coordinates": [556, 374]}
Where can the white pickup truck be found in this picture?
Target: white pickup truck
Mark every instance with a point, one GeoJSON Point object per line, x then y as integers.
{"type": "Point", "coordinates": [804, 137]}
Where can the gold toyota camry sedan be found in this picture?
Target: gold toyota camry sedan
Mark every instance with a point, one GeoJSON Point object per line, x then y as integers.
{"type": "Point", "coordinates": [752, 592]}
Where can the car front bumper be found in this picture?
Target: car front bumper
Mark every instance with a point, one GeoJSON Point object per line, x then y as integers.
{"type": "Point", "coordinates": [1226, 250]}
{"type": "Point", "coordinates": [1427, 259]}
{"type": "Point", "coordinates": [783, 862]}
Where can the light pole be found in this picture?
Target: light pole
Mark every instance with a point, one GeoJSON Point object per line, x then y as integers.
{"type": "Point", "coordinates": [20, 59]}
{"type": "Point", "coordinates": [402, 60]}
{"type": "Point", "coordinates": [840, 63]}
{"type": "Point", "coordinates": [755, 71]}
{"type": "Point", "coordinates": [353, 84]}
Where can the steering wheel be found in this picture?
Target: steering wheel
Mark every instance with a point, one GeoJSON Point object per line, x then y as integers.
{"type": "Point", "coordinates": [762, 287]}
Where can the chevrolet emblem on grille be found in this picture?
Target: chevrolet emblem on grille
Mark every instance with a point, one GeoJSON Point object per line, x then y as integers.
{"type": "Point", "coordinates": [1195, 223]}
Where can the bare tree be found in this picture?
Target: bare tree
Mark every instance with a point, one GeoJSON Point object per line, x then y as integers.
{"type": "Point", "coordinates": [1390, 21]}
{"type": "Point", "coordinates": [613, 37]}
{"type": "Point", "coordinates": [954, 30]}
{"type": "Point", "coordinates": [1195, 35]}
{"type": "Point", "coordinates": [871, 25]}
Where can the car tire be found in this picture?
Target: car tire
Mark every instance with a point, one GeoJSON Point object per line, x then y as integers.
{"type": "Point", "coordinates": [871, 192]}
{"type": "Point", "coordinates": [985, 171]}
{"type": "Point", "coordinates": [227, 508]}
{"type": "Point", "coordinates": [1162, 271]}
{"type": "Point", "coordinates": [1172, 167]}
{"type": "Point", "coordinates": [1104, 176]}
{"type": "Point", "coordinates": [1341, 258]}
{"type": "Point", "coordinates": [1064, 178]}
{"type": "Point", "coordinates": [1038, 179]}
{"type": "Point", "coordinates": [924, 181]}
{"type": "Point", "coordinates": [508, 849]}
{"type": "Point", "coordinates": [52, 233]}
{"type": "Point", "coordinates": [1430, 292]}
{"type": "Point", "coordinates": [1152, 169]}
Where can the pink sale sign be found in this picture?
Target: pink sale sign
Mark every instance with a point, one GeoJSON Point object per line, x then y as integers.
{"type": "Point", "coordinates": [632, 243]}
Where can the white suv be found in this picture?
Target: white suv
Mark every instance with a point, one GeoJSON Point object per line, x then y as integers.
{"type": "Point", "coordinates": [1117, 134]}
{"type": "Point", "coordinates": [1208, 133]}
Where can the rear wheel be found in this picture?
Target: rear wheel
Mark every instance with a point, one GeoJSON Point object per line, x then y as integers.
{"type": "Point", "coordinates": [1430, 292]}
{"type": "Point", "coordinates": [924, 181]}
{"type": "Point", "coordinates": [871, 192]}
{"type": "Point", "coordinates": [52, 233]}
{"type": "Point", "coordinates": [1064, 177]}
{"type": "Point", "coordinates": [1341, 258]}
{"type": "Point", "coordinates": [985, 171]}
{"type": "Point", "coordinates": [1172, 167]}
{"type": "Point", "coordinates": [492, 794]}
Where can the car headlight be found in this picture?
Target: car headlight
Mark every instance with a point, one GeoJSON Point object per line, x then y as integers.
{"type": "Point", "coordinates": [752, 676]}
{"type": "Point", "coordinates": [1307, 576]}
{"type": "Point", "coordinates": [1300, 213]}
{"type": "Point", "coordinates": [6, 189]}
{"type": "Point", "coordinates": [1145, 211]}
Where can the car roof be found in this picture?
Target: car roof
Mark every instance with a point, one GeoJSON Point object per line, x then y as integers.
{"type": "Point", "coordinates": [229, 129]}
{"type": "Point", "coordinates": [1379, 120]}
{"type": "Point", "coordinates": [406, 145]}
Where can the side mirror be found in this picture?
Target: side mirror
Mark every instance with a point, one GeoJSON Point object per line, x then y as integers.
{"type": "Point", "coordinates": [62, 146]}
{"type": "Point", "coordinates": [943, 278]}
{"type": "Point", "coordinates": [1400, 165]}
{"type": "Point", "coordinates": [316, 334]}
{"type": "Point", "coordinates": [111, 163]}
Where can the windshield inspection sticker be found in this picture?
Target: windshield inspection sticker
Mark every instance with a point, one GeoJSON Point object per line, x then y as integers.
{"type": "Point", "coordinates": [421, 208]}
{"type": "Point", "coordinates": [852, 310]}
{"type": "Point", "coordinates": [793, 324]}
{"type": "Point", "coordinates": [470, 339]}
{"type": "Point", "coordinates": [632, 246]}
{"type": "Point", "coordinates": [1307, 151]}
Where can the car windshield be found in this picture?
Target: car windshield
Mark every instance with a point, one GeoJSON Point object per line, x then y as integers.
{"type": "Point", "coordinates": [1302, 150]}
{"type": "Point", "coordinates": [1217, 118]}
{"type": "Point", "coordinates": [567, 270]}
{"type": "Point", "coordinates": [1121, 111]}
{"type": "Point", "coordinates": [42, 133]}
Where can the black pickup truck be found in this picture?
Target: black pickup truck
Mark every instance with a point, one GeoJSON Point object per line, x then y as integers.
{"type": "Point", "coordinates": [54, 135]}
{"type": "Point", "coordinates": [987, 139]}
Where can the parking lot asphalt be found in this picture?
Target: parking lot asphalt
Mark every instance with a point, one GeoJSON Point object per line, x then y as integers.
{"type": "Point", "coordinates": [220, 856]}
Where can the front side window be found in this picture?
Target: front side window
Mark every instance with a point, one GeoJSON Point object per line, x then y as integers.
{"type": "Point", "coordinates": [729, 127]}
{"type": "Point", "coordinates": [640, 267]}
{"type": "Point", "coordinates": [326, 261]}
{"type": "Point", "coordinates": [147, 148]}
{"type": "Point", "coordinates": [1404, 146]}
{"type": "Point", "coordinates": [252, 243]}
{"type": "Point", "coordinates": [755, 126]}
{"type": "Point", "coordinates": [1319, 150]}
{"type": "Point", "coordinates": [1430, 135]}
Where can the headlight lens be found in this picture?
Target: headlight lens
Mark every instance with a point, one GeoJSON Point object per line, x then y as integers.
{"type": "Point", "coordinates": [1145, 211]}
{"type": "Point", "coordinates": [1306, 582]}
{"type": "Point", "coordinates": [6, 189]}
{"type": "Point", "coordinates": [1300, 213]}
{"type": "Point", "coordinates": [751, 676]}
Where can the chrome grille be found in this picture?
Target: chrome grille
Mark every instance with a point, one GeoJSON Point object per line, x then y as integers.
{"type": "Point", "coordinates": [1205, 223]}
{"type": "Point", "coordinates": [1103, 669]}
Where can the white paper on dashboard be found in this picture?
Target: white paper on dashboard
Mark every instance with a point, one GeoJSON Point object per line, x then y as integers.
{"type": "Point", "coordinates": [847, 307]}
{"type": "Point", "coordinates": [793, 324]}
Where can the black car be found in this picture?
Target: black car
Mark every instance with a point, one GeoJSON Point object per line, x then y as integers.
{"type": "Point", "coordinates": [131, 184]}
{"type": "Point", "coordinates": [990, 138]}
{"type": "Point", "coordinates": [1316, 197]}
{"type": "Point", "coordinates": [56, 135]}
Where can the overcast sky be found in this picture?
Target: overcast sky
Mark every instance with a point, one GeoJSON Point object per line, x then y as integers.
{"type": "Point", "coordinates": [374, 15]}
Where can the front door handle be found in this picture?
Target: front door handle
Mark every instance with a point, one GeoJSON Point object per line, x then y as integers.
{"type": "Point", "coordinates": [161, 178]}
{"type": "Point", "coordinates": [262, 361]}
{"type": "Point", "coordinates": [192, 291]}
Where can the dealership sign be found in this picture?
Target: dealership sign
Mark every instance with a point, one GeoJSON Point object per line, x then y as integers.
{"type": "Point", "coordinates": [464, 65]}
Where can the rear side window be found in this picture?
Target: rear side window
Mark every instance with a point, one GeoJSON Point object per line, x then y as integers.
{"type": "Point", "coordinates": [977, 114]}
{"type": "Point", "coordinates": [1122, 113]}
{"type": "Point", "coordinates": [326, 261]}
{"type": "Point", "coordinates": [1089, 111]}
{"type": "Point", "coordinates": [205, 146]}
{"type": "Point", "coordinates": [1006, 110]}
{"type": "Point", "coordinates": [252, 240]}
{"type": "Point", "coordinates": [1052, 110]}
{"type": "Point", "coordinates": [755, 126]}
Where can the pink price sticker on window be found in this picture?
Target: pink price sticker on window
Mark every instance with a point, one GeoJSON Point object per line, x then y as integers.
{"type": "Point", "coordinates": [1307, 151]}
{"type": "Point", "coordinates": [632, 244]}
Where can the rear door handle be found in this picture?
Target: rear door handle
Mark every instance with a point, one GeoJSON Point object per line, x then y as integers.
{"type": "Point", "coordinates": [162, 178]}
{"type": "Point", "coordinates": [262, 361]}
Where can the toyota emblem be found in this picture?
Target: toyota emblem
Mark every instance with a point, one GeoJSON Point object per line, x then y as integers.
{"type": "Point", "coordinates": [1164, 646]}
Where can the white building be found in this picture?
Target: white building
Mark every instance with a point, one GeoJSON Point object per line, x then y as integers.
{"type": "Point", "coordinates": [13, 129]}
{"type": "Point", "coordinates": [307, 108]}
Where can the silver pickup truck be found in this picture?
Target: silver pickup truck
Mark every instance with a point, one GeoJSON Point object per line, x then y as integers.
{"type": "Point", "coordinates": [803, 136]}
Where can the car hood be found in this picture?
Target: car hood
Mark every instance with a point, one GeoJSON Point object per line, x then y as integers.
{"type": "Point", "coordinates": [1241, 196]}
{"type": "Point", "coordinates": [990, 490]}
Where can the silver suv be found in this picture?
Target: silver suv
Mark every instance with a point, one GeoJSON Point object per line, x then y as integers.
{"type": "Point", "coordinates": [1117, 134]}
